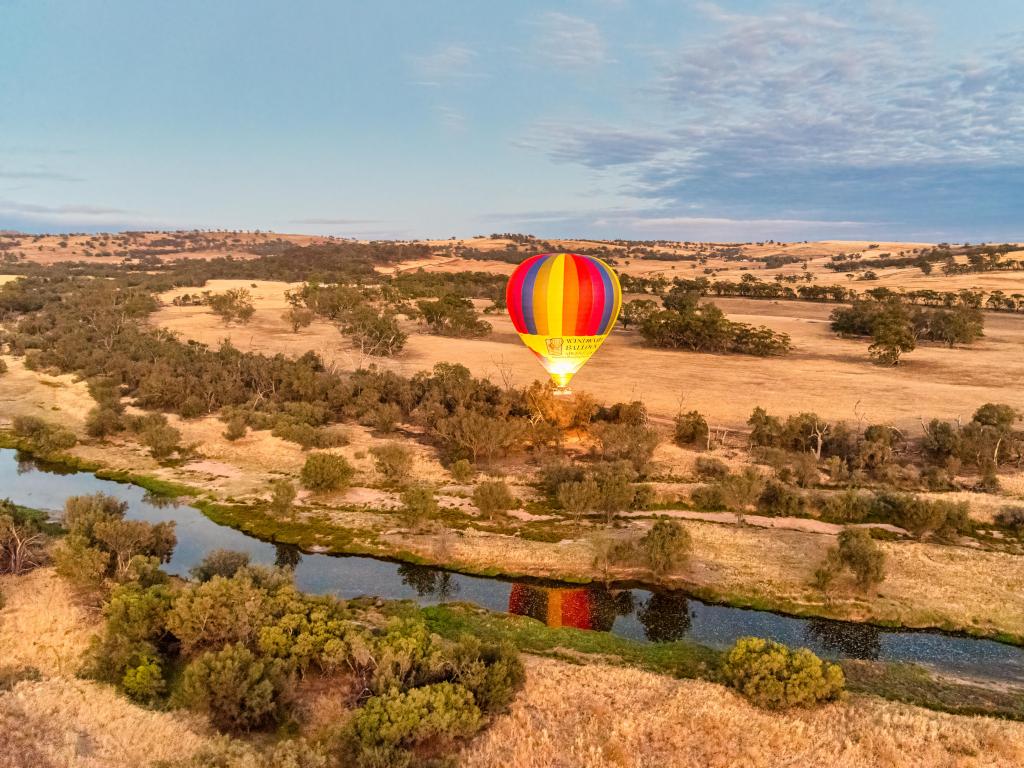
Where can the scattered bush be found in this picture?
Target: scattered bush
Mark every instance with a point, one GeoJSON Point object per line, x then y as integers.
{"type": "Point", "coordinates": [326, 472]}
{"type": "Point", "coordinates": [102, 421]}
{"type": "Point", "coordinates": [578, 497]}
{"type": "Point", "coordinates": [236, 429]}
{"type": "Point", "coordinates": [238, 691]}
{"type": "Point", "coordinates": [1011, 518]}
{"type": "Point", "coordinates": [775, 677]}
{"type": "Point", "coordinates": [779, 500]}
{"type": "Point", "coordinates": [691, 429]}
{"type": "Point", "coordinates": [394, 462]}
{"type": "Point", "coordinates": [298, 317]}
{"type": "Point", "coordinates": [42, 437]}
{"type": "Point", "coordinates": [859, 553]}
{"type": "Point", "coordinates": [102, 548]}
{"type": "Point", "coordinates": [666, 546]}
{"type": "Point", "coordinates": [462, 471]}
{"type": "Point", "coordinates": [220, 562]}
{"type": "Point", "coordinates": [710, 468]}
{"type": "Point", "coordinates": [234, 305]}
{"type": "Point", "coordinates": [437, 714]}
{"type": "Point", "coordinates": [493, 497]}
{"type": "Point", "coordinates": [418, 504]}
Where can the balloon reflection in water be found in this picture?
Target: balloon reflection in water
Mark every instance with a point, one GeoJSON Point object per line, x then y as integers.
{"type": "Point", "coordinates": [591, 607]}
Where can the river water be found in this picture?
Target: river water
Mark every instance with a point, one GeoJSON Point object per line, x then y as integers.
{"type": "Point", "coordinates": [639, 614]}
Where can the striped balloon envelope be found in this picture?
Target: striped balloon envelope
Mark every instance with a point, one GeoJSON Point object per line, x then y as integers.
{"type": "Point", "coordinates": [563, 305]}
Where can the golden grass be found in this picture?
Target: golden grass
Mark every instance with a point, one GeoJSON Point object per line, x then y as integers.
{"type": "Point", "coordinates": [41, 626]}
{"type": "Point", "coordinates": [597, 716]}
{"type": "Point", "coordinates": [87, 725]}
{"type": "Point", "coordinates": [63, 721]}
{"type": "Point", "coordinates": [60, 399]}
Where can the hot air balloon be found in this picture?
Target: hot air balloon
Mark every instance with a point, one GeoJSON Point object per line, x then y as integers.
{"type": "Point", "coordinates": [563, 305]}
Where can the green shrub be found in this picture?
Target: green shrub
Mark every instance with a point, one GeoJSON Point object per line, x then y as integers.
{"type": "Point", "coordinates": [462, 471]}
{"type": "Point", "coordinates": [710, 468]}
{"type": "Point", "coordinates": [385, 417]}
{"type": "Point", "coordinates": [493, 497]}
{"type": "Point", "coordinates": [393, 462]}
{"type": "Point", "coordinates": [163, 440]}
{"type": "Point", "coordinates": [708, 498]}
{"type": "Point", "coordinates": [418, 504]}
{"type": "Point", "coordinates": [491, 672]}
{"type": "Point", "coordinates": [846, 507]}
{"type": "Point", "coordinates": [326, 472]}
{"type": "Point", "coordinates": [666, 546]}
{"type": "Point", "coordinates": [236, 428]}
{"type": "Point", "coordinates": [220, 562]}
{"type": "Point", "coordinates": [217, 612]}
{"type": "Point", "coordinates": [773, 676]}
{"type": "Point", "coordinates": [1011, 518]}
{"type": "Point", "coordinates": [133, 636]}
{"type": "Point", "coordinates": [690, 429]}
{"type": "Point", "coordinates": [43, 438]}
{"type": "Point", "coordinates": [438, 714]}
{"type": "Point", "coordinates": [922, 517]}
{"type": "Point", "coordinates": [145, 681]}
{"type": "Point", "coordinates": [307, 435]}
{"type": "Point", "coordinates": [578, 497]}
{"type": "Point", "coordinates": [631, 443]}
{"type": "Point", "coordinates": [777, 499]}
{"type": "Point", "coordinates": [236, 690]}
{"type": "Point", "coordinates": [102, 421]}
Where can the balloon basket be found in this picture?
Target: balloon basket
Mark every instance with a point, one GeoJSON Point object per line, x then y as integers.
{"type": "Point", "coordinates": [561, 392]}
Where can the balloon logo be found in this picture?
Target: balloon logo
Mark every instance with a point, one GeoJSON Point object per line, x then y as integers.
{"type": "Point", "coordinates": [563, 306]}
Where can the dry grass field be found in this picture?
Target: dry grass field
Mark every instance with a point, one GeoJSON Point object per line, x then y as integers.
{"type": "Point", "coordinates": [59, 721]}
{"type": "Point", "coordinates": [830, 376]}
{"type": "Point", "coordinates": [606, 717]}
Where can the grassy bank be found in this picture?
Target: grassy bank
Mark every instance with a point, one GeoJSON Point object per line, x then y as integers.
{"type": "Point", "coordinates": [908, 683]}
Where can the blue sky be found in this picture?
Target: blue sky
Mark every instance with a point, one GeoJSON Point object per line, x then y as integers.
{"type": "Point", "coordinates": [608, 118]}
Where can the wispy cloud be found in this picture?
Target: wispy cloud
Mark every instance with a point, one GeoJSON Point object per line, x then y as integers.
{"type": "Point", "coordinates": [568, 42]}
{"type": "Point", "coordinates": [806, 115]}
{"type": "Point", "coordinates": [451, 119]}
{"type": "Point", "coordinates": [14, 213]}
{"type": "Point", "coordinates": [447, 64]}
{"type": "Point", "coordinates": [37, 175]}
{"type": "Point", "coordinates": [341, 222]}
{"type": "Point", "coordinates": [655, 222]}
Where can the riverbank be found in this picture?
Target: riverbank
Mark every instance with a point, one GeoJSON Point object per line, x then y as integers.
{"type": "Point", "coordinates": [764, 569]}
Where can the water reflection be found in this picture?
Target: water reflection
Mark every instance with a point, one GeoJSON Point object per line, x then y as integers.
{"type": "Point", "coordinates": [665, 617]}
{"type": "Point", "coordinates": [592, 607]}
{"type": "Point", "coordinates": [429, 582]}
{"type": "Point", "coordinates": [287, 556]}
{"type": "Point", "coordinates": [159, 501]}
{"type": "Point", "coordinates": [856, 641]}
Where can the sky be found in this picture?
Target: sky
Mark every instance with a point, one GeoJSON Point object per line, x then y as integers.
{"type": "Point", "coordinates": [729, 120]}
